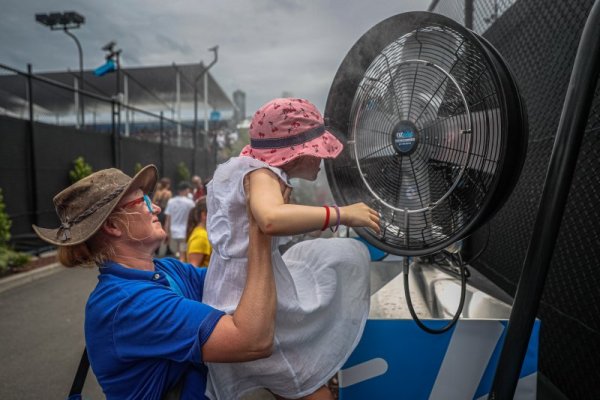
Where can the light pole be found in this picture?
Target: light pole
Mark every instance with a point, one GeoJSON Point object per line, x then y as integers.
{"type": "Point", "coordinates": [113, 64]}
{"type": "Point", "coordinates": [114, 56]}
{"type": "Point", "coordinates": [66, 21]}
{"type": "Point", "coordinates": [215, 50]}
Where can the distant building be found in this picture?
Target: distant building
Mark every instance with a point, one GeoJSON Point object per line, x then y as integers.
{"type": "Point", "coordinates": [239, 100]}
{"type": "Point", "coordinates": [286, 94]}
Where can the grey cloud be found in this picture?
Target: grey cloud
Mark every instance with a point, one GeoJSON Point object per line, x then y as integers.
{"type": "Point", "coordinates": [266, 46]}
{"type": "Point", "coordinates": [180, 46]}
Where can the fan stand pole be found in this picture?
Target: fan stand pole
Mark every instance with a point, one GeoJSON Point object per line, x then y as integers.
{"type": "Point", "coordinates": [567, 143]}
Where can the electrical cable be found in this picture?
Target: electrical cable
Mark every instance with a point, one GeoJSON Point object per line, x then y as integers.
{"type": "Point", "coordinates": [484, 248]}
{"type": "Point", "coordinates": [463, 290]}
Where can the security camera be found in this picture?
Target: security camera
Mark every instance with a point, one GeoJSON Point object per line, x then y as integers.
{"type": "Point", "coordinates": [109, 46]}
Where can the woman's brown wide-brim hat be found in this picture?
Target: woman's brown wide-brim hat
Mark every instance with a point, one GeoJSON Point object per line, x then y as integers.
{"type": "Point", "coordinates": [84, 206]}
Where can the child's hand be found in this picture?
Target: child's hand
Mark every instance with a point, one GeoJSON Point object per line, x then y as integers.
{"type": "Point", "coordinates": [360, 215]}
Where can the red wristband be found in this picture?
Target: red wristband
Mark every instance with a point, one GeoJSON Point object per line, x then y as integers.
{"type": "Point", "coordinates": [326, 224]}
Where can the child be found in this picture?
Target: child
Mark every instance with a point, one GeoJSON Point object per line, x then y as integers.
{"type": "Point", "coordinates": [322, 284]}
{"type": "Point", "coordinates": [198, 246]}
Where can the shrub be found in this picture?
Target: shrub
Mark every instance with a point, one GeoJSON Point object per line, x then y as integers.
{"type": "Point", "coordinates": [9, 259]}
{"type": "Point", "coordinates": [183, 173]}
{"type": "Point", "coordinates": [5, 222]}
{"type": "Point", "coordinates": [80, 170]}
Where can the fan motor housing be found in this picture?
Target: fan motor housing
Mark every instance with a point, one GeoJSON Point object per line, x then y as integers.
{"type": "Point", "coordinates": [405, 137]}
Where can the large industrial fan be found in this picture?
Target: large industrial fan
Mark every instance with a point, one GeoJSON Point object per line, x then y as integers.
{"type": "Point", "coordinates": [434, 127]}
{"type": "Point", "coordinates": [435, 131]}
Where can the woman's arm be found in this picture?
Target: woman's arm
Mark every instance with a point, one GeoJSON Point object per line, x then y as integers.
{"type": "Point", "coordinates": [275, 217]}
{"type": "Point", "coordinates": [248, 333]}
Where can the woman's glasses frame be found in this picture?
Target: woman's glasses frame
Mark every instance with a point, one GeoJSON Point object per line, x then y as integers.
{"type": "Point", "coordinates": [135, 202]}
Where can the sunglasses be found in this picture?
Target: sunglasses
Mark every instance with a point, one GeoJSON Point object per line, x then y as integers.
{"type": "Point", "coordinates": [135, 202]}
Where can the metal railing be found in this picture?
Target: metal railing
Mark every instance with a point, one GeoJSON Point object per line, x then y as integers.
{"type": "Point", "coordinates": [102, 113]}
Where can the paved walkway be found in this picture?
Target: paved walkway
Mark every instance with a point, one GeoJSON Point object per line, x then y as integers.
{"type": "Point", "coordinates": [41, 331]}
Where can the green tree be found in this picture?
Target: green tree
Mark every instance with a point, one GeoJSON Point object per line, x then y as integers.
{"type": "Point", "coordinates": [80, 170]}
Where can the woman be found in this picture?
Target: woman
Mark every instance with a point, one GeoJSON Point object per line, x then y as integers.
{"type": "Point", "coordinates": [147, 332]}
{"type": "Point", "coordinates": [161, 197]}
{"type": "Point", "coordinates": [198, 246]}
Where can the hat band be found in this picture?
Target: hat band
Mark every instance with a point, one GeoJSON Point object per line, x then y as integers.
{"type": "Point", "coordinates": [278, 143]}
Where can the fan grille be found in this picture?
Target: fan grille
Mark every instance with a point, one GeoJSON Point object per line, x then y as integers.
{"type": "Point", "coordinates": [425, 138]}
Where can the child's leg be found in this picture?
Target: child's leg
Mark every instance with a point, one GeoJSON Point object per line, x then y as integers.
{"type": "Point", "coordinates": [323, 393]}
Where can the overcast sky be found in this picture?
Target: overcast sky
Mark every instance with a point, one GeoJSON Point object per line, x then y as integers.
{"type": "Point", "coordinates": [266, 47]}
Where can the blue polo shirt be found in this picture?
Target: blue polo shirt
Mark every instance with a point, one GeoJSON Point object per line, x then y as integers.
{"type": "Point", "coordinates": [142, 335]}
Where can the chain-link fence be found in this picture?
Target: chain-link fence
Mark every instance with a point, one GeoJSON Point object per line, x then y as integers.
{"type": "Point", "coordinates": [46, 124]}
{"type": "Point", "coordinates": [539, 38]}
{"type": "Point", "coordinates": [475, 15]}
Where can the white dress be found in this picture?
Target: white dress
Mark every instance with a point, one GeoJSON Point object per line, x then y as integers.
{"type": "Point", "coordinates": [322, 296]}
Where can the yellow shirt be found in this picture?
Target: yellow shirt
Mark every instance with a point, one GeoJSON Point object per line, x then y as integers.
{"type": "Point", "coordinates": [198, 243]}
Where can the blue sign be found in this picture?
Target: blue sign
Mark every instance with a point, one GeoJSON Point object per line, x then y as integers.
{"type": "Point", "coordinates": [215, 116]}
{"type": "Point", "coordinates": [396, 360]}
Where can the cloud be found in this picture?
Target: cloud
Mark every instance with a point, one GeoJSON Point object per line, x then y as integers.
{"type": "Point", "coordinates": [265, 46]}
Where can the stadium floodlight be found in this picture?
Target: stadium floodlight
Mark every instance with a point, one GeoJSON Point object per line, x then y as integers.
{"type": "Point", "coordinates": [65, 21]}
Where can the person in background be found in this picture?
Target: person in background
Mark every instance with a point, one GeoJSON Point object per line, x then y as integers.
{"type": "Point", "coordinates": [206, 182]}
{"type": "Point", "coordinates": [177, 211]}
{"type": "Point", "coordinates": [198, 246]}
{"type": "Point", "coordinates": [148, 331]}
{"type": "Point", "coordinates": [162, 194]}
{"type": "Point", "coordinates": [197, 188]}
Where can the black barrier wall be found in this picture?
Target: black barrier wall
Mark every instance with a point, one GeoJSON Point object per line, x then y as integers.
{"type": "Point", "coordinates": [539, 38]}
{"type": "Point", "coordinates": [55, 148]}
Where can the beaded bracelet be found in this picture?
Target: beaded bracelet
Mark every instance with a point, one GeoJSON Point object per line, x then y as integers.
{"type": "Point", "coordinates": [337, 223]}
{"type": "Point", "coordinates": [326, 224]}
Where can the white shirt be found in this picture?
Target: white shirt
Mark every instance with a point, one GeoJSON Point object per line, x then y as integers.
{"type": "Point", "coordinates": [178, 209]}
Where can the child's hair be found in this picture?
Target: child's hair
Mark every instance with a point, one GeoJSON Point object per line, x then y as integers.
{"type": "Point", "coordinates": [195, 216]}
{"type": "Point", "coordinates": [283, 130]}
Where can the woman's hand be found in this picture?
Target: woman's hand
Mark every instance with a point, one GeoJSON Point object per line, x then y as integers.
{"type": "Point", "coordinates": [359, 215]}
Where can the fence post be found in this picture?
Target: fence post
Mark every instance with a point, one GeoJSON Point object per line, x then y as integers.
{"type": "Point", "coordinates": [31, 153]}
{"type": "Point", "coordinates": [469, 14]}
{"type": "Point", "coordinates": [162, 147]}
{"type": "Point", "coordinates": [115, 135]}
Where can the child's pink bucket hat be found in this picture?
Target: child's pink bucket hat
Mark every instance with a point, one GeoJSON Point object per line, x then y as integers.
{"type": "Point", "coordinates": [285, 129]}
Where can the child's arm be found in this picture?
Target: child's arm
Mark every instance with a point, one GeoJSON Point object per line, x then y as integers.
{"type": "Point", "coordinates": [275, 217]}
